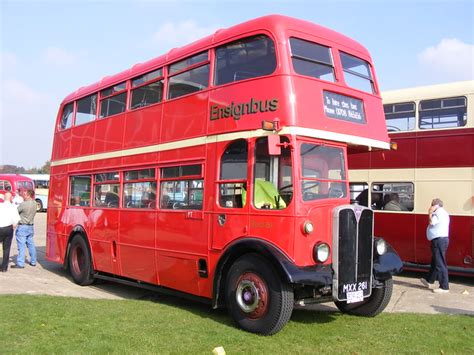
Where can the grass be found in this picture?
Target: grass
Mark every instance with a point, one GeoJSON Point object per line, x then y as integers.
{"type": "Point", "coordinates": [45, 324]}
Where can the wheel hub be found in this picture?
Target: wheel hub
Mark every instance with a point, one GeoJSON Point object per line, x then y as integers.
{"type": "Point", "coordinates": [252, 295]}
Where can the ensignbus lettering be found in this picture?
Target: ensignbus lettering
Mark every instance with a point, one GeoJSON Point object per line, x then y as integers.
{"type": "Point", "coordinates": [237, 110]}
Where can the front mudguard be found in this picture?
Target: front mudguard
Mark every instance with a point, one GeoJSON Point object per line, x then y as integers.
{"type": "Point", "coordinates": [387, 265]}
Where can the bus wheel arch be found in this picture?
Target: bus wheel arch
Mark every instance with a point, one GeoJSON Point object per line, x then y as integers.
{"type": "Point", "coordinates": [257, 298]}
{"type": "Point", "coordinates": [240, 248]}
{"type": "Point", "coordinates": [79, 258]}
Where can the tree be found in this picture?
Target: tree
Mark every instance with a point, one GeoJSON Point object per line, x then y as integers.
{"type": "Point", "coordinates": [13, 169]}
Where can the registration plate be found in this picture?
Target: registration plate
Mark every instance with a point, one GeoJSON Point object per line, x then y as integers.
{"type": "Point", "coordinates": [355, 296]}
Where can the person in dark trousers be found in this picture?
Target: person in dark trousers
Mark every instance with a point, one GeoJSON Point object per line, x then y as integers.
{"type": "Point", "coordinates": [438, 234]}
{"type": "Point", "coordinates": [9, 218]}
{"type": "Point", "coordinates": [25, 230]}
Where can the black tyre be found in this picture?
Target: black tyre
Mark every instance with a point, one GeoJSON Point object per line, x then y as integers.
{"type": "Point", "coordinates": [39, 205]}
{"type": "Point", "coordinates": [373, 305]}
{"type": "Point", "coordinates": [80, 263]}
{"type": "Point", "coordinates": [257, 299]}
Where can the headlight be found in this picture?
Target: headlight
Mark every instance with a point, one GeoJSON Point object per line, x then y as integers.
{"type": "Point", "coordinates": [308, 227]}
{"type": "Point", "coordinates": [381, 246]}
{"type": "Point", "coordinates": [321, 252]}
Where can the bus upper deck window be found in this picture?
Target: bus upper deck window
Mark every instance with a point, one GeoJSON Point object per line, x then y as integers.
{"type": "Point", "coordinates": [443, 113]}
{"type": "Point", "coordinates": [400, 116]}
{"type": "Point", "coordinates": [189, 75]}
{"type": "Point", "coordinates": [357, 73]}
{"type": "Point", "coordinates": [312, 59]}
{"type": "Point", "coordinates": [66, 117]}
{"type": "Point", "coordinates": [86, 109]}
{"type": "Point", "coordinates": [147, 89]}
{"type": "Point", "coordinates": [244, 59]}
{"type": "Point", "coordinates": [113, 100]}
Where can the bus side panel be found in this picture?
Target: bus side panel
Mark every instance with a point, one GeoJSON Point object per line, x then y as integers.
{"type": "Point", "coordinates": [182, 239]}
{"type": "Point", "coordinates": [104, 227]}
{"type": "Point", "coordinates": [304, 243]}
{"type": "Point", "coordinates": [403, 157]}
{"type": "Point", "coordinates": [83, 137]}
{"type": "Point", "coordinates": [451, 148]}
{"type": "Point", "coordinates": [142, 127]}
{"type": "Point", "coordinates": [55, 240]}
{"type": "Point", "coordinates": [264, 226]}
{"type": "Point", "coordinates": [399, 231]}
{"type": "Point", "coordinates": [185, 117]}
{"type": "Point", "coordinates": [112, 163]}
{"type": "Point", "coordinates": [109, 134]}
{"type": "Point", "coordinates": [461, 230]}
{"type": "Point", "coordinates": [183, 154]}
{"type": "Point", "coordinates": [357, 160]}
{"type": "Point", "coordinates": [140, 159]}
{"type": "Point", "coordinates": [266, 99]}
{"type": "Point", "coordinates": [137, 245]}
{"type": "Point", "coordinates": [62, 145]}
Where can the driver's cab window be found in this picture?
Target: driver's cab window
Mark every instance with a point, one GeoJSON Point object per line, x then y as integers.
{"type": "Point", "coordinates": [323, 172]}
{"type": "Point", "coordinates": [273, 183]}
{"type": "Point", "coordinates": [233, 175]}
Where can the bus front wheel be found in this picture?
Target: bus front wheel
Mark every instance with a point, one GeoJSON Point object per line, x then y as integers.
{"type": "Point", "coordinates": [257, 299]}
{"type": "Point", "coordinates": [80, 264]}
{"type": "Point", "coordinates": [371, 306]}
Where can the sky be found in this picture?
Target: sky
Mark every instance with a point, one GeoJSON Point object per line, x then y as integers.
{"type": "Point", "coordinates": [50, 48]}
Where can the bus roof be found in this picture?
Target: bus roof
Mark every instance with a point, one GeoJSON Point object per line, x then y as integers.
{"type": "Point", "coordinates": [439, 91]}
{"type": "Point", "coordinates": [14, 177]}
{"type": "Point", "coordinates": [276, 24]}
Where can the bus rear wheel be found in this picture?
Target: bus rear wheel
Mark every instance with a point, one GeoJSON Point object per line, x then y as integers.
{"type": "Point", "coordinates": [371, 306]}
{"type": "Point", "coordinates": [80, 264]}
{"type": "Point", "coordinates": [257, 299]}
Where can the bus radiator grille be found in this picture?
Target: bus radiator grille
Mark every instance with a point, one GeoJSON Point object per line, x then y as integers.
{"type": "Point", "coordinates": [352, 251]}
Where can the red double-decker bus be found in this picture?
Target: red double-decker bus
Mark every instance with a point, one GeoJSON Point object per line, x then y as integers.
{"type": "Point", "coordinates": [219, 171]}
{"type": "Point", "coordinates": [433, 129]}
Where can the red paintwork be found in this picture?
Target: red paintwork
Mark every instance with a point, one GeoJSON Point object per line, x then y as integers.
{"type": "Point", "coordinates": [425, 149]}
{"type": "Point", "coordinates": [407, 234]}
{"type": "Point", "coordinates": [163, 246]}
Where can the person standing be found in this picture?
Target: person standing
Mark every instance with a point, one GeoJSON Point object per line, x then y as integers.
{"type": "Point", "coordinates": [25, 230]}
{"type": "Point", "coordinates": [9, 218]}
{"type": "Point", "coordinates": [438, 234]}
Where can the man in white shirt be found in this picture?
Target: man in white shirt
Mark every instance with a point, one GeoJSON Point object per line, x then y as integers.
{"type": "Point", "coordinates": [438, 234]}
{"type": "Point", "coordinates": [9, 218]}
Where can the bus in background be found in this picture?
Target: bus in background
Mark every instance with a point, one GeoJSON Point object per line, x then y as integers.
{"type": "Point", "coordinates": [219, 171]}
{"type": "Point", "coordinates": [15, 183]}
{"type": "Point", "coordinates": [41, 190]}
{"type": "Point", "coordinates": [433, 128]}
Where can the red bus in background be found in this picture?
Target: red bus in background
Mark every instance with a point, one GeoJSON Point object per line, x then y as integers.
{"type": "Point", "coordinates": [433, 128]}
{"type": "Point", "coordinates": [219, 171]}
{"type": "Point", "coordinates": [15, 183]}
